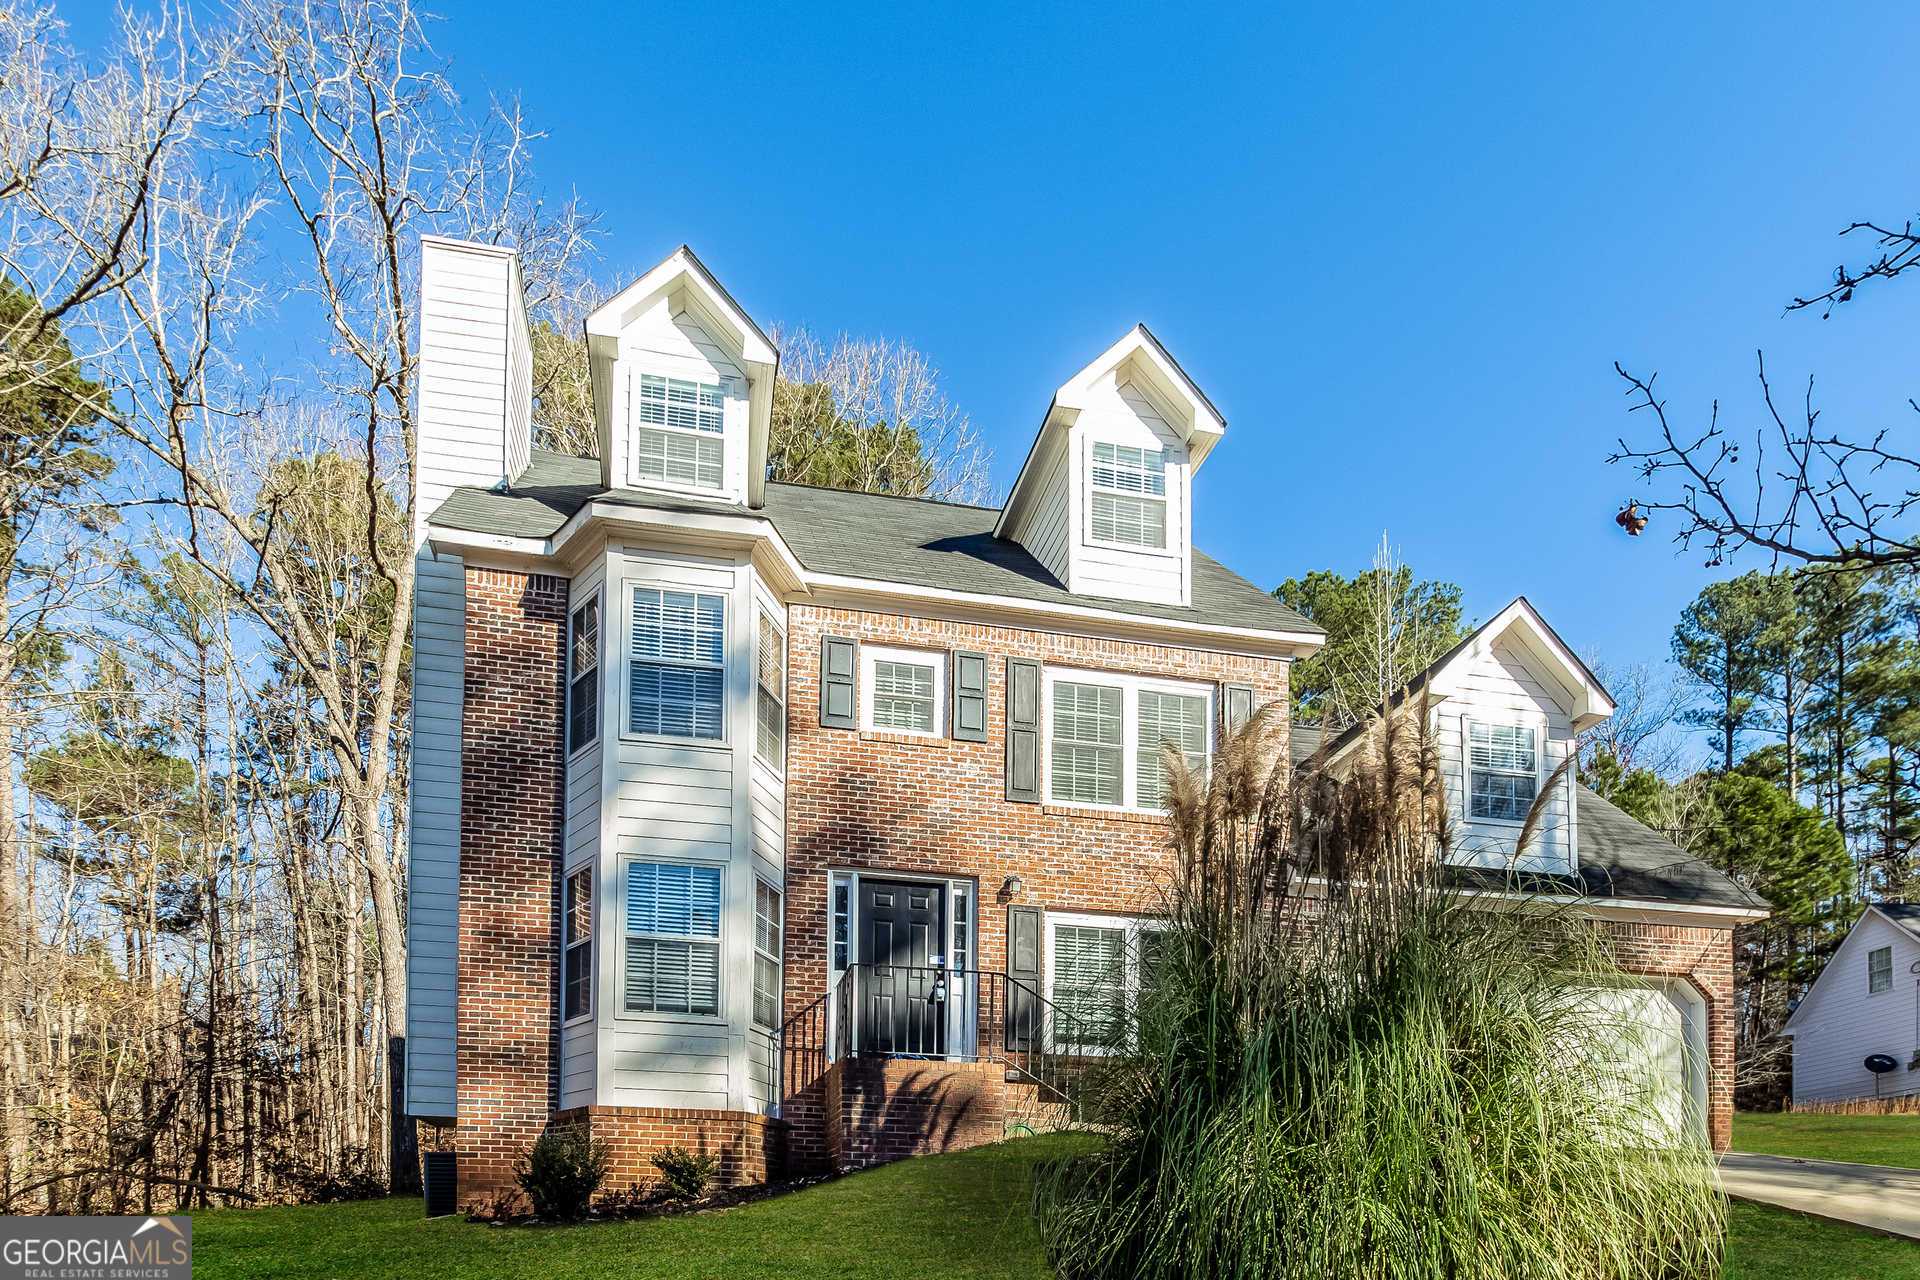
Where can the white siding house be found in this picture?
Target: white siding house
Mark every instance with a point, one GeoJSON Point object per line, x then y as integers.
{"type": "Point", "coordinates": [1865, 1002]}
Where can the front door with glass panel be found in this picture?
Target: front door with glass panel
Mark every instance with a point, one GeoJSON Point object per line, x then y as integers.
{"type": "Point", "coordinates": [902, 994]}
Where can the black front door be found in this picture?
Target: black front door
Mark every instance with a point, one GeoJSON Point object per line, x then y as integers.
{"type": "Point", "coordinates": [901, 927]}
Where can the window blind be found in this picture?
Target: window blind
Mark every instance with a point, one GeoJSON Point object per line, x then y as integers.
{"type": "Point", "coordinates": [676, 682]}
{"type": "Point", "coordinates": [671, 971]}
{"type": "Point", "coordinates": [1089, 984]}
{"type": "Point", "coordinates": [1086, 744]}
{"type": "Point", "coordinates": [903, 697]}
{"type": "Point", "coordinates": [676, 459]}
{"type": "Point", "coordinates": [1130, 470]}
{"type": "Point", "coordinates": [1170, 718]}
{"type": "Point", "coordinates": [682, 403]}
{"type": "Point", "coordinates": [1137, 522]}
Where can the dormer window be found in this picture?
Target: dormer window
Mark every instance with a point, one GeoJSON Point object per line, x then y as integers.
{"type": "Point", "coordinates": [1504, 766]}
{"type": "Point", "coordinates": [681, 422]}
{"type": "Point", "coordinates": [1129, 498]}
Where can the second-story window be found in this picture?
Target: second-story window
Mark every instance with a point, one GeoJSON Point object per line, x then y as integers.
{"type": "Point", "coordinates": [770, 737]}
{"type": "Point", "coordinates": [1503, 762]}
{"type": "Point", "coordinates": [1128, 499]}
{"type": "Point", "coordinates": [1879, 970]}
{"type": "Point", "coordinates": [1087, 746]}
{"type": "Point", "coordinates": [681, 424]}
{"type": "Point", "coordinates": [904, 691]}
{"type": "Point", "coordinates": [1179, 720]}
{"type": "Point", "coordinates": [677, 674]}
{"type": "Point", "coordinates": [583, 689]}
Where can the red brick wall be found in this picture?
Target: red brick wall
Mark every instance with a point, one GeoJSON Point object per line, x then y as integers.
{"type": "Point", "coordinates": [900, 804]}
{"type": "Point", "coordinates": [883, 1109]}
{"type": "Point", "coordinates": [749, 1146]}
{"type": "Point", "coordinates": [1705, 958]}
{"type": "Point", "coordinates": [511, 794]}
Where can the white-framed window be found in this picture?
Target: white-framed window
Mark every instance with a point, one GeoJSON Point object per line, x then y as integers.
{"type": "Point", "coordinates": [903, 690]}
{"type": "Point", "coordinates": [1879, 970]}
{"type": "Point", "coordinates": [1181, 720]}
{"type": "Point", "coordinates": [766, 954]}
{"type": "Point", "coordinates": [672, 939]}
{"type": "Point", "coordinates": [1503, 770]}
{"type": "Point", "coordinates": [583, 676]}
{"type": "Point", "coordinates": [678, 439]}
{"type": "Point", "coordinates": [676, 673]}
{"type": "Point", "coordinates": [770, 707]}
{"type": "Point", "coordinates": [1104, 733]}
{"type": "Point", "coordinates": [1095, 968]}
{"type": "Point", "coordinates": [577, 938]}
{"type": "Point", "coordinates": [1128, 498]}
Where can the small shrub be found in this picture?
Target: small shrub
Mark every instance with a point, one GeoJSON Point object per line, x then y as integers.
{"type": "Point", "coordinates": [561, 1171]}
{"type": "Point", "coordinates": [687, 1175]}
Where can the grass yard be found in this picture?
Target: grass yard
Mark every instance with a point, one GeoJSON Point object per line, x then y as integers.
{"type": "Point", "coordinates": [936, 1218]}
{"type": "Point", "coordinates": [1891, 1140]}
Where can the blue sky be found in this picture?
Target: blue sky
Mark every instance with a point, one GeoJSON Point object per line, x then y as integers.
{"type": "Point", "coordinates": [1399, 246]}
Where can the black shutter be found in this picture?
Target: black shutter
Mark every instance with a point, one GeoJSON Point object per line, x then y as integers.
{"type": "Point", "coordinates": [1023, 731]}
{"type": "Point", "coordinates": [1023, 970]}
{"type": "Point", "coordinates": [969, 696]}
{"type": "Point", "coordinates": [1239, 706]}
{"type": "Point", "coordinates": [839, 661]}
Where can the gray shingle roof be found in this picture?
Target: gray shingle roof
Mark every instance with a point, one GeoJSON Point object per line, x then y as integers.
{"type": "Point", "coordinates": [1904, 914]}
{"type": "Point", "coordinates": [1620, 857]}
{"type": "Point", "coordinates": [910, 541]}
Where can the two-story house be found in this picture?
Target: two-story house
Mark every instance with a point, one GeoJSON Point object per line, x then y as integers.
{"type": "Point", "coordinates": [803, 826]}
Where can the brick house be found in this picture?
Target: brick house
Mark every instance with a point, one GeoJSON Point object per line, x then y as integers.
{"type": "Point", "coordinates": [816, 828]}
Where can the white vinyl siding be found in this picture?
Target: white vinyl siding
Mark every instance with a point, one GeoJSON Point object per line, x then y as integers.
{"type": "Point", "coordinates": [1086, 750]}
{"type": "Point", "coordinates": [1172, 718]}
{"type": "Point", "coordinates": [673, 931]}
{"type": "Point", "coordinates": [1842, 1019]}
{"type": "Point", "coordinates": [1503, 765]}
{"type": "Point", "coordinates": [676, 686]}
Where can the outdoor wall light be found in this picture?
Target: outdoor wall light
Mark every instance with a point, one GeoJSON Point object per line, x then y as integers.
{"type": "Point", "coordinates": [1013, 886]}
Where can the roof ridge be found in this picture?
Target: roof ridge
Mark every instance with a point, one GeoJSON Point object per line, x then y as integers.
{"type": "Point", "coordinates": [897, 497]}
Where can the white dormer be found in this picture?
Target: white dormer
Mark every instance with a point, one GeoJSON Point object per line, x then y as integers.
{"type": "Point", "coordinates": [682, 387]}
{"type": "Point", "coordinates": [1105, 500]}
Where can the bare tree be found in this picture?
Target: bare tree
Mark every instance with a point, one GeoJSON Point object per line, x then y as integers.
{"type": "Point", "coordinates": [1640, 732]}
{"type": "Point", "coordinates": [1399, 634]}
{"type": "Point", "coordinates": [870, 414]}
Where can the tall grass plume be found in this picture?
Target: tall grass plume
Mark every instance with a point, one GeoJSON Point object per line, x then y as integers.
{"type": "Point", "coordinates": [1346, 1066]}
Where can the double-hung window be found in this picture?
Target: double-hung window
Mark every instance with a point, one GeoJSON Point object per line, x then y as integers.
{"type": "Point", "coordinates": [681, 425]}
{"type": "Point", "coordinates": [904, 691]}
{"type": "Point", "coordinates": [677, 675]}
{"type": "Point", "coordinates": [1879, 970]}
{"type": "Point", "coordinates": [583, 671]}
{"type": "Point", "coordinates": [1174, 719]}
{"type": "Point", "coordinates": [1128, 496]}
{"type": "Point", "coordinates": [1096, 968]}
{"type": "Point", "coordinates": [673, 939]}
{"type": "Point", "coordinates": [1503, 764]}
{"type": "Point", "coordinates": [770, 738]}
{"type": "Point", "coordinates": [766, 954]}
{"type": "Point", "coordinates": [578, 929]}
{"type": "Point", "coordinates": [1087, 745]}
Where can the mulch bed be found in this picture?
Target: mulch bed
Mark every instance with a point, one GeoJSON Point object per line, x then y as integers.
{"type": "Point", "coordinates": [647, 1202]}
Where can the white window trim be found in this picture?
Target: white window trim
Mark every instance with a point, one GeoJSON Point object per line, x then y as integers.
{"type": "Point", "coordinates": [618, 983]}
{"type": "Point", "coordinates": [1174, 518]}
{"type": "Point", "coordinates": [1890, 976]}
{"type": "Point", "coordinates": [936, 658]}
{"type": "Point", "coordinates": [600, 667]}
{"type": "Point", "coordinates": [1131, 927]}
{"type": "Point", "coordinates": [1130, 687]}
{"type": "Point", "coordinates": [622, 695]}
{"type": "Point", "coordinates": [729, 395]}
{"type": "Point", "coordinates": [1519, 720]}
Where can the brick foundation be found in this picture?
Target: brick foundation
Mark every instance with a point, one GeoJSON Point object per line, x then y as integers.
{"type": "Point", "coordinates": [750, 1147]}
{"type": "Point", "coordinates": [508, 1037]}
{"type": "Point", "coordinates": [882, 1109]}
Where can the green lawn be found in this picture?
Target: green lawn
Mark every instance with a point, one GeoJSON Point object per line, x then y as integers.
{"type": "Point", "coordinates": [936, 1218]}
{"type": "Point", "coordinates": [1893, 1140]}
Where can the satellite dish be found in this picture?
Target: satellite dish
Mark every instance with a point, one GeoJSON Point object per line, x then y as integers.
{"type": "Point", "coordinates": [1880, 1064]}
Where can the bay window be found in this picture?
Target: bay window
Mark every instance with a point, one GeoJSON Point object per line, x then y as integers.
{"type": "Point", "coordinates": [673, 939]}
{"type": "Point", "coordinates": [676, 679]}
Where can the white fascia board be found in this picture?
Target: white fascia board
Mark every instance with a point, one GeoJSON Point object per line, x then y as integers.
{"type": "Point", "coordinates": [1021, 613]}
{"type": "Point", "coordinates": [1637, 910]}
{"type": "Point", "coordinates": [747, 530]}
{"type": "Point", "coordinates": [465, 543]}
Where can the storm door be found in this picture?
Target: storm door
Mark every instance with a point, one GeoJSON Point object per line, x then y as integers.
{"type": "Point", "coordinates": [903, 992]}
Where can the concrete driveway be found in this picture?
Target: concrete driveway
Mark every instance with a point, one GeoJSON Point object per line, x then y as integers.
{"type": "Point", "coordinates": [1874, 1196]}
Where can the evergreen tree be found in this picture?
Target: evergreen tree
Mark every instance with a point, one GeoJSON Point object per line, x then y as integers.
{"type": "Point", "coordinates": [1383, 628]}
{"type": "Point", "coordinates": [1717, 643]}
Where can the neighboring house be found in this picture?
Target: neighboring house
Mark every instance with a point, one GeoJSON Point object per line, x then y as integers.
{"type": "Point", "coordinates": [817, 828]}
{"type": "Point", "coordinates": [1866, 1002]}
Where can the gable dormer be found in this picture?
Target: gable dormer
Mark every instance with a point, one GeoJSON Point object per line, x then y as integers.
{"type": "Point", "coordinates": [682, 387]}
{"type": "Point", "coordinates": [1105, 500]}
